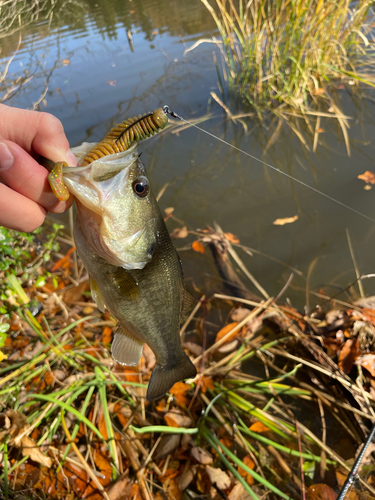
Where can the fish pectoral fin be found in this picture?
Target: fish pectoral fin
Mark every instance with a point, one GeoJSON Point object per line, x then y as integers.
{"type": "Point", "coordinates": [163, 378]}
{"type": "Point", "coordinates": [96, 295]}
{"type": "Point", "coordinates": [188, 303]}
{"type": "Point", "coordinates": [126, 349]}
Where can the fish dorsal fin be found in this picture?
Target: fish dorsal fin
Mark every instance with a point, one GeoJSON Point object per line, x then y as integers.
{"type": "Point", "coordinates": [96, 295]}
{"type": "Point", "coordinates": [126, 349]}
{"type": "Point", "coordinates": [188, 303]}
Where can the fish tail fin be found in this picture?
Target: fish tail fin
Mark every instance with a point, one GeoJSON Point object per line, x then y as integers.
{"type": "Point", "coordinates": [163, 378]}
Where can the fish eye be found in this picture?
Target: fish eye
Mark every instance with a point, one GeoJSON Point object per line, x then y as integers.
{"type": "Point", "coordinates": [140, 187]}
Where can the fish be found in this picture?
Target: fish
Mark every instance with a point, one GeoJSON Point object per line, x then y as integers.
{"type": "Point", "coordinates": [134, 269]}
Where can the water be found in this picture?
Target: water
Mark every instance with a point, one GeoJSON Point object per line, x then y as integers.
{"type": "Point", "coordinates": [86, 72]}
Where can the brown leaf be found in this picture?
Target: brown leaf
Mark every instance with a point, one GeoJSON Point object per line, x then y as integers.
{"type": "Point", "coordinates": [180, 232]}
{"type": "Point", "coordinates": [168, 443]}
{"type": "Point", "coordinates": [231, 237]}
{"type": "Point", "coordinates": [179, 391]}
{"type": "Point", "coordinates": [250, 463]}
{"type": "Point", "coordinates": [29, 447]}
{"type": "Point", "coordinates": [218, 477]}
{"type": "Point", "coordinates": [368, 177]}
{"type": "Point", "coordinates": [175, 418]}
{"type": "Point", "coordinates": [237, 493]}
{"type": "Point", "coordinates": [197, 247]}
{"type": "Point", "coordinates": [320, 491]}
{"type": "Point", "coordinates": [107, 335]}
{"type": "Point", "coordinates": [116, 492]}
{"type": "Point", "coordinates": [258, 427]}
{"type": "Point", "coordinates": [285, 220]}
{"type": "Point", "coordinates": [172, 489]}
{"type": "Point", "coordinates": [348, 355]}
{"type": "Point", "coordinates": [226, 329]}
{"type": "Point", "coordinates": [318, 91]}
{"type": "Point", "coordinates": [207, 383]}
{"type": "Point", "coordinates": [201, 456]}
{"type": "Point", "coordinates": [367, 361]}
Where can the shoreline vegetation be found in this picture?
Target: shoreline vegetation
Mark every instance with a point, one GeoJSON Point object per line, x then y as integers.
{"type": "Point", "coordinates": [284, 61]}
{"type": "Point", "coordinates": [278, 391]}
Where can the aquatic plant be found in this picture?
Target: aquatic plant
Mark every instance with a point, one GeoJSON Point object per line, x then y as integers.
{"type": "Point", "coordinates": [284, 54]}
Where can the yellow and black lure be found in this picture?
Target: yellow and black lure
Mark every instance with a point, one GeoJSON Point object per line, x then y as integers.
{"type": "Point", "coordinates": [119, 139]}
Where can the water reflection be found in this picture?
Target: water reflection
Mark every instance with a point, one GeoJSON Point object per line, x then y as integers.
{"type": "Point", "coordinates": [84, 71]}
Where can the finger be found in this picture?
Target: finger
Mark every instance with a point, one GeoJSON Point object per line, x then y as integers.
{"type": "Point", "coordinates": [24, 175]}
{"type": "Point", "coordinates": [18, 212]}
{"type": "Point", "coordinates": [36, 132]}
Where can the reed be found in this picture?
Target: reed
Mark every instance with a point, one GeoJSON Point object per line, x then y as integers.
{"type": "Point", "coordinates": [279, 54]}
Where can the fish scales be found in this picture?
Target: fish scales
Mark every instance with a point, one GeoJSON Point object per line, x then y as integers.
{"type": "Point", "coordinates": [146, 294]}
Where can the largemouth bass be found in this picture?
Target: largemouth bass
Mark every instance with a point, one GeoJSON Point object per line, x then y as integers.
{"type": "Point", "coordinates": [134, 269]}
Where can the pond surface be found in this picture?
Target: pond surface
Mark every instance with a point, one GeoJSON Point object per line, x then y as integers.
{"type": "Point", "coordinates": [95, 63]}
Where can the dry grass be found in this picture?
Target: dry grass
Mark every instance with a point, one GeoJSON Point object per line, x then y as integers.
{"type": "Point", "coordinates": [280, 56]}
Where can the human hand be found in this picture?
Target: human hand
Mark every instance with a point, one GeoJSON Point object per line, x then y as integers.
{"type": "Point", "coordinates": [25, 194]}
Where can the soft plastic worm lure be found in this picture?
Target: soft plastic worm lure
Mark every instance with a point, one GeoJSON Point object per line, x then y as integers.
{"type": "Point", "coordinates": [119, 139]}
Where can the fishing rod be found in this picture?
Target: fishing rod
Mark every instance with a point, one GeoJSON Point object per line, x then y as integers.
{"type": "Point", "coordinates": [168, 111]}
{"type": "Point", "coordinates": [353, 474]}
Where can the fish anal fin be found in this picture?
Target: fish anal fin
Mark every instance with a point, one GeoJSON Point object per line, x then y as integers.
{"type": "Point", "coordinates": [96, 295]}
{"type": "Point", "coordinates": [163, 378]}
{"type": "Point", "coordinates": [126, 349]}
{"type": "Point", "coordinates": [188, 303]}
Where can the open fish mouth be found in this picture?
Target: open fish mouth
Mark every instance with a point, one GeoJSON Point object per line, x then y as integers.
{"type": "Point", "coordinates": [118, 222]}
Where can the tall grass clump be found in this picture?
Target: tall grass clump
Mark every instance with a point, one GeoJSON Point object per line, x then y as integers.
{"type": "Point", "coordinates": [285, 52]}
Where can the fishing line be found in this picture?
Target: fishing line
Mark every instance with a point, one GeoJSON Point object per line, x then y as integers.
{"type": "Point", "coordinates": [175, 115]}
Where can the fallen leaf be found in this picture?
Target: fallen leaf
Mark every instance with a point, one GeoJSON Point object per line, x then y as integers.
{"type": "Point", "coordinates": [320, 491]}
{"type": "Point", "coordinates": [64, 262]}
{"type": "Point", "coordinates": [197, 247]}
{"type": "Point", "coordinates": [229, 347]}
{"type": "Point", "coordinates": [250, 463]}
{"type": "Point", "coordinates": [175, 418]}
{"type": "Point", "coordinates": [285, 220]}
{"type": "Point", "coordinates": [168, 443]}
{"type": "Point", "coordinates": [231, 237]}
{"type": "Point", "coordinates": [29, 447]}
{"type": "Point", "coordinates": [116, 492]}
{"type": "Point", "coordinates": [226, 329]}
{"type": "Point", "coordinates": [237, 493]}
{"type": "Point", "coordinates": [185, 478]}
{"type": "Point", "coordinates": [169, 210]}
{"type": "Point", "coordinates": [367, 361]}
{"type": "Point", "coordinates": [107, 335]}
{"type": "Point", "coordinates": [180, 232]}
{"type": "Point", "coordinates": [112, 83]}
{"type": "Point", "coordinates": [218, 477]}
{"type": "Point", "coordinates": [207, 383]}
{"type": "Point", "coordinates": [258, 427]}
{"type": "Point", "coordinates": [348, 355]}
{"type": "Point", "coordinates": [240, 313]}
{"type": "Point", "coordinates": [368, 177]}
{"type": "Point", "coordinates": [172, 489]}
{"type": "Point", "coordinates": [179, 391]}
{"type": "Point", "coordinates": [319, 130]}
{"type": "Point", "coordinates": [201, 456]}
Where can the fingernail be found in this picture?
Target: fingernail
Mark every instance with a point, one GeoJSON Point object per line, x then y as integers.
{"type": "Point", "coordinates": [72, 160]}
{"type": "Point", "coordinates": [6, 157]}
